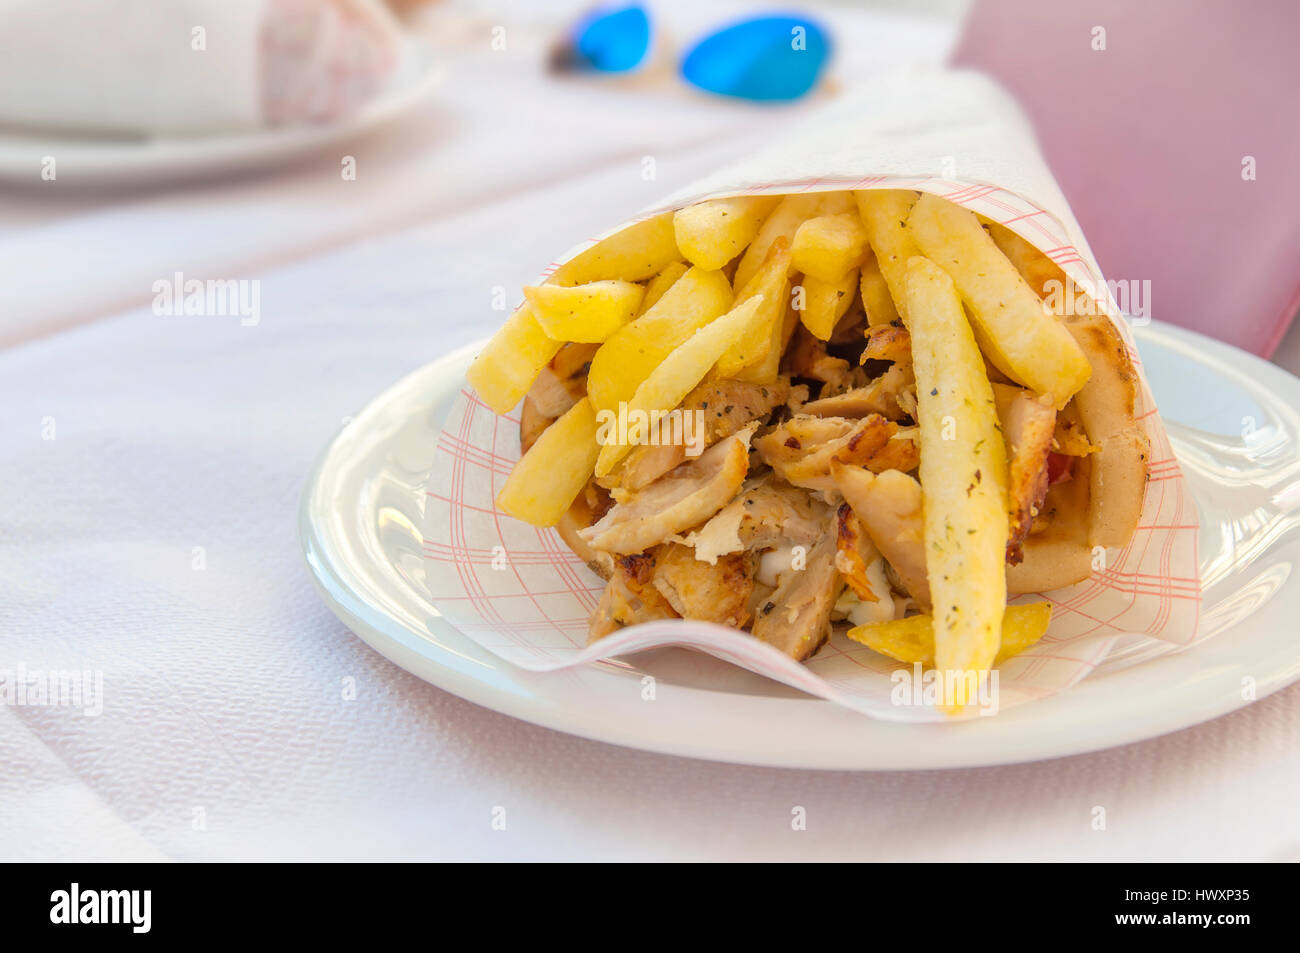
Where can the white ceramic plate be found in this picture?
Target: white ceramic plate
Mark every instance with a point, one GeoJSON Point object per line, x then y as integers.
{"type": "Point", "coordinates": [1236, 433]}
{"type": "Point", "coordinates": [87, 162]}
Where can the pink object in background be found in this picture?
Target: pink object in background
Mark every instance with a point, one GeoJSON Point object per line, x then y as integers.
{"type": "Point", "coordinates": [1148, 138]}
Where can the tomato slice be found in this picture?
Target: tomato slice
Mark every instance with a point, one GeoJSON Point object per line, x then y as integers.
{"type": "Point", "coordinates": [1060, 467]}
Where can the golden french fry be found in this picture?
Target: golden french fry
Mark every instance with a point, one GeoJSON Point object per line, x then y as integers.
{"type": "Point", "coordinates": [632, 352]}
{"type": "Point", "coordinates": [511, 361]}
{"type": "Point", "coordinates": [658, 286]}
{"type": "Point", "coordinates": [828, 247]}
{"type": "Point", "coordinates": [587, 314]}
{"type": "Point", "coordinates": [1042, 274]}
{"type": "Point", "coordinates": [549, 477]}
{"type": "Point", "coordinates": [835, 203]}
{"type": "Point", "coordinates": [768, 369]}
{"type": "Point", "coordinates": [712, 233]}
{"type": "Point", "coordinates": [911, 639]}
{"type": "Point", "coordinates": [1015, 330]}
{"type": "Point", "coordinates": [876, 299]}
{"type": "Point", "coordinates": [783, 222]}
{"type": "Point", "coordinates": [826, 302]}
{"type": "Point", "coordinates": [747, 359]}
{"type": "Point", "coordinates": [638, 252]}
{"type": "Point", "coordinates": [963, 478]}
{"type": "Point", "coordinates": [884, 215]}
{"type": "Point", "coordinates": [682, 370]}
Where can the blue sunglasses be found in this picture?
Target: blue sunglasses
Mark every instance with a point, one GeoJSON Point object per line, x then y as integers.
{"type": "Point", "coordinates": [766, 59]}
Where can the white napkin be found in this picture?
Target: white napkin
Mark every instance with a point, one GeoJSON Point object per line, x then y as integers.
{"type": "Point", "coordinates": [189, 66]}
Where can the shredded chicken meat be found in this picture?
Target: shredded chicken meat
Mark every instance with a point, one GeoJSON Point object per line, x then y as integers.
{"type": "Point", "coordinates": [752, 533]}
{"type": "Point", "coordinates": [719, 592]}
{"type": "Point", "coordinates": [629, 598]}
{"type": "Point", "coordinates": [888, 505]}
{"type": "Point", "coordinates": [1028, 425]}
{"type": "Point", "coordinates": [685, 497]}
{"type": "Point", "coordinates": [796, 618]}
{"type": "Point", "coordinates": [725, 406]}
{"type": "Point", "coordinates": [802, 449]}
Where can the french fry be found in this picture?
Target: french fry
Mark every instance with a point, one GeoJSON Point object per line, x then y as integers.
{"type": "Point", "coordinates": [768, 369]}
{"type": "Point", "coordinates": [549, 477]}
{"type": "Point", "coordinates": [658, 286]}
{"type": "Point", "coordinates": [1039, 271]}
{"type": "Point", "coordinates": [835, 203]}
{"type": "Point", "coordinates": [911, 639]}
{"type": "Point", "coordinates": [963, 478]}
{"type": "Point", "coordinates": [636, 349]}
{"type": "Point", "coordinates": [511, 361]}
{"type": "Point", "coordinates": [1015, 330]}
{"type": "Point", "coordinates": [828, 247]}
{"type": "Point", "coordinates": [876, 299]}
{"type": "Point", "coordinates": [587, 314]}
{"type": "Point", "coordinates": [884, 216]}
{"type": "Point", "coordinates": [638, 252]}
{"type": "Point", "coordinates": [682, 370]}
{"type": "Point", "coordinates": [747, 359]}
{"type": "Point", "coordinates": [783, 222]}
{"type": "Point", "coordinates": [712, 233]}
{"type": "Point", "coordinates": [826, 302]}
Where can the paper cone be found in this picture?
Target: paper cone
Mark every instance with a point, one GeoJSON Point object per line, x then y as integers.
{"type": "Point", "coordinates": [522, 594]}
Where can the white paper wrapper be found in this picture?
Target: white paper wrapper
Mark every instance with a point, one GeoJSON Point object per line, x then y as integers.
{"type": "Point", "coordinates": [522, 594]}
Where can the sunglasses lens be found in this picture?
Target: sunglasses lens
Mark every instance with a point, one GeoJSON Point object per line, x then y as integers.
{"type": "Point", "coordinates": [612, 39]}
{"type": "Point", "coordinates": [766, 59]}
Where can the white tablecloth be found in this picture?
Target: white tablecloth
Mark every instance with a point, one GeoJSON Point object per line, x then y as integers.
{"type": "Point", "coordinates": [153, 539]}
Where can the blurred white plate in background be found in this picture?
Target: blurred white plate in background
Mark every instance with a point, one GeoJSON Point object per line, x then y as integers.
{"type": "Point", "coordinates": [92, 162]}
{"type": "Point", "coordinates": [1235, 426]}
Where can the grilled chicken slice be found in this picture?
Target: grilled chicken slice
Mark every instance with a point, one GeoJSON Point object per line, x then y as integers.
{"type": "Point", "coordinates": [888, 505]}
{"type": "Point", "coordinates": [766, 513]}
{"type": "Point", "coordinates": [685, 497]}
{"type": "Point", "coordinates": [891, 394]}
{"type": "Point", "coordinates": [888, 342]}
{"type": "Point", "coordinates": [1069, 438]}
{"type": "Point", "coordinates": [573, 360]}
{"type": "Point", "coordinates": [718, 592]}
{"type": "Point", "coordinates": [1027, 426]}
{"type": "Point", "coordinates": [796, 618]}
{"type": "Point", "coordinates": [854, 552]}
{"type": "Point", "coordinates": [884, 396]}
{"type": "Point", "coordinates": [725, 406]}
{"type": "Point", "coordinates": [629, 598]}
{"type": "Point", "coordinates": [802, 449]}
{"type": "Point", "coordinates": [560, 385]}
{"type": "Point", "coordinates": [807, 357]}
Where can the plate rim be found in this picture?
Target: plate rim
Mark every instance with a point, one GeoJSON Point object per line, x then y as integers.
{"type": "Point", "coordinates": [1160, 705]}
{"type": "Point", "coordinates": [110, 162]}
